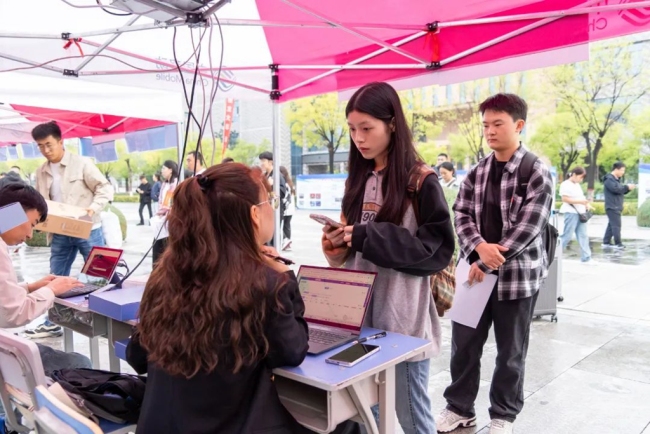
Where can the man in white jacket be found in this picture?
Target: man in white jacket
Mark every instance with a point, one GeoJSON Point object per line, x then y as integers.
{"type": "Point", "coordinates": [22, 303]}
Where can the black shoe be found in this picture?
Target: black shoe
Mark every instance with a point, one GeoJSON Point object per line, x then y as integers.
{"type": "Point", "coordinates": [140, 224]}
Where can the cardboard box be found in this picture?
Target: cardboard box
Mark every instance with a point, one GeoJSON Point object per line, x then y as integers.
{"type": "Point", "coordinates": [64, 219]}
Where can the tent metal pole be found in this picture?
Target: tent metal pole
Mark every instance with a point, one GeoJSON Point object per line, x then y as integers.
{"type": "Point", "coordinates": [31, 62]}
{"type": "Point", "coordinates": [316, 25]}
{"type": "Point", "coordinates": [29, 36]}
{"type": "Point", "coordinates": [505, 37]}
{"type": "Point", "coordinates": [346, 66]}
{"type": "Point", "coordinates": [126, 29]}
{"type": "Point", "coordinates": [106, 43]}
{"type": "Point", "coordinates": [354, 62]}
{"type": "Point", "coordinates": [171, 66]}
{"type": "Point", "coordinates": [118, 123]}
{"type": "Point", "coordinates": [362, 35]}
{"type": "Point", "coordinates": [277, 160]}
{"type": "Point", "coordinates": [548, 14]}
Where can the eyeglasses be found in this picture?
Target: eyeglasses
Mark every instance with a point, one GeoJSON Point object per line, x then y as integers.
{"type": "Point", "coordinates": [273, 201]}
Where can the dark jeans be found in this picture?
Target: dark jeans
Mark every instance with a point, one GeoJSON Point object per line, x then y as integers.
{"type": "Point", "coordinates": [142, 205]}
{"type": "Point", "coordinates": [54, 360]}
{"type": "Point", "coordinates": [286, 226]}
{"type": "Point", "coordinates": [613, 227]}
{"type": "Point", "coordinates": [512, 320]}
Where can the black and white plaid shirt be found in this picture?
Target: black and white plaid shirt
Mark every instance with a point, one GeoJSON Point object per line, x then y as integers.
{"type": "Point", "coordinates": [525, 267]}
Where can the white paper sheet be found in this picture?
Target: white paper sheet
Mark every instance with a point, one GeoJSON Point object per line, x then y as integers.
{"type": "Point", "coordinates": [469, 302]}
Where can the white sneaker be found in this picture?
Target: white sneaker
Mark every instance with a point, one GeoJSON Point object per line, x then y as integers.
{"type": "Point", "coordinates": [448, 421]}
{"type": "Point", "coordinates": [500, 426]}
{"type": "Point", "coordinates": [591, 263]}
{"type": "Point", "coordinates": [286, 245]}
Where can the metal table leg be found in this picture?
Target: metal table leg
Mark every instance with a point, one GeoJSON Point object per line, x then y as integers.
{"type": "Point", "coordinates": [68, 340]}
{"type": "Point", "coordinates": [94, 351]}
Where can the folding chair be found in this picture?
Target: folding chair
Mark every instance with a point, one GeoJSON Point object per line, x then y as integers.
{"type": "Point", "coordinates": [21, 370]}
{"type": "Point", "coordinates": [54, 417]}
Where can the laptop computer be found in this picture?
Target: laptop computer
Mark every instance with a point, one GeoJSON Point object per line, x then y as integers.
{"type": "Point", "coordinates": [336, 302]}
{"type": "Point", "coordinates": [97, 272]}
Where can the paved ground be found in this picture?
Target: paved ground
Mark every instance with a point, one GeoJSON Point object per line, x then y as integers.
{"type": "Point", "coordinates": [588, 373]}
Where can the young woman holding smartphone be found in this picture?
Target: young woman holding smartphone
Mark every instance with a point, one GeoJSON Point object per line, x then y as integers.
{"type": "Point", "coordinates": [383, 234]}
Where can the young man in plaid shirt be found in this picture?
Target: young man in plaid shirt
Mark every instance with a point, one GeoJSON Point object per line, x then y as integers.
{"type": "Point", "coordinates": [500, 232]}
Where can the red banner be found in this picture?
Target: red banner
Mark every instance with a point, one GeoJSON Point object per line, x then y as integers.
{"type": "Point", "coordinates": [227, 124]}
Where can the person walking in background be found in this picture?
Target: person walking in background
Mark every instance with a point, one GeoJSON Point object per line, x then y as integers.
{"type": "Point", "coordinates": [614, 198]}
{"type": "Point", "coordinates": [169, 172]}
{"type": "Point", "coordinates": [289, 208]}
{"type": "Point", "coordinates": [155, 191]}
{"type": "Point", "coordinates": [384, 233]}
{"type": "Point", "coordinates": [575, 203]}
{"type": "Point", "coordinates": [75, 180]}
{"type": "Point", "coordinates": [448, 176]}
{"type": "Point", "coordinates": [144, 190]}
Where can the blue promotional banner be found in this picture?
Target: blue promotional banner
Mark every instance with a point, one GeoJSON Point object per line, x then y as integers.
{"type": "Point", "coordinates": [323, 192]}
{"type": "Point", "coordinates": [30, 151]}
{"type": "Point", "coordinates": [105, 152]}
{"type": "Point", "coordinates": [3, 153]}
{"type": "Point", "coordinates": [12, 152]}
{"type": "Point", "coordinates": [153, 139]}
{"type": "Point", "coordinates": [86, 147]}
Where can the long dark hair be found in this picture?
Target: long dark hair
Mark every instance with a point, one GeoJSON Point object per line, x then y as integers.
{"type": "Point", "coordinates": [380, 101]}
{"type": "Point", "coordinates": [204, 304]}
{"type": "Point", "coordinates": [287, 178]}
{"type": "Point", "coordinates": [170, 164]}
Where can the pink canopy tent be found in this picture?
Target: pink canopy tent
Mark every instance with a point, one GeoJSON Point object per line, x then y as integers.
{"type": "Point", "coordinates": [310, 48]}
{"type": "Point", "coordinates": [73, 124]}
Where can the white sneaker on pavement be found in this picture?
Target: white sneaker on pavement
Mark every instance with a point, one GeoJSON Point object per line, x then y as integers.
{"type": "Point", "coordinates": [500, 426]}
{"type": "Point", "coordinates": [448, 421]}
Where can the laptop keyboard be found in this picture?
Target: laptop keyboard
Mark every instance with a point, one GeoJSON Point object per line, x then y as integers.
{"type": "Point", "coordinates": [87, 288]}
{"type": "Point", "coordinates": [324, 337]}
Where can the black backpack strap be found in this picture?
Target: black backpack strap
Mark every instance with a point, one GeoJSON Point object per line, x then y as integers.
{"type": "Point", "coordinates": [524, 172]}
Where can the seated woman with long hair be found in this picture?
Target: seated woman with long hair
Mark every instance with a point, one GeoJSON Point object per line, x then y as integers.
{"type": "Point", "coordinates": [218, 314]}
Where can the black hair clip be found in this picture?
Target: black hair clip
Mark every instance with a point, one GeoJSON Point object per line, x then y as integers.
{"type": "Point", "coordinates": [204, 182]}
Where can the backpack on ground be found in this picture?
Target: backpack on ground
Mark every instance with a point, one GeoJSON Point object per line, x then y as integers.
{"type": "Point", "coordinates": [109, 395]}
{"type": "Point", "coordinates": [443, 283]}
{"type": "Point", "coordinates": [549, 233]}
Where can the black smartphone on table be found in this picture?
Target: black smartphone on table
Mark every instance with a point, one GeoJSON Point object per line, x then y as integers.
{"type": "Point", "coordinates": [353, 355]}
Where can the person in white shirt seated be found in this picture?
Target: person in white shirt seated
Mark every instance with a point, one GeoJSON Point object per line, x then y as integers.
{"type": "Point", "coordinates": [575, 203]}
{"type": "Point", "coordinates": [22, 303]}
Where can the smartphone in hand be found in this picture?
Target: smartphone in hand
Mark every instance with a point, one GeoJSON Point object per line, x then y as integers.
{"type": "Point", "coordinates": [324, 220]}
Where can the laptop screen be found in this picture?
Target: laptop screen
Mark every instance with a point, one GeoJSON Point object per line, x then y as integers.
{"type": "Point", "coordinates": [100, 266]}
{"type": "Point", "coordinates": [335, 297]}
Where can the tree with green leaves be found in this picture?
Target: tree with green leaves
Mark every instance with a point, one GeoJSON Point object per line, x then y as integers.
{"type": "Point", "coordinates": [319, 121]}
{"type": "Point", "coordinates": [559, 138]}
{"type": "Point", "coordinates": [600, 93]}
{"type": "Point", "coordinates": [469, 140]}
{"type": "Point", "coordinates": [418, 113]}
